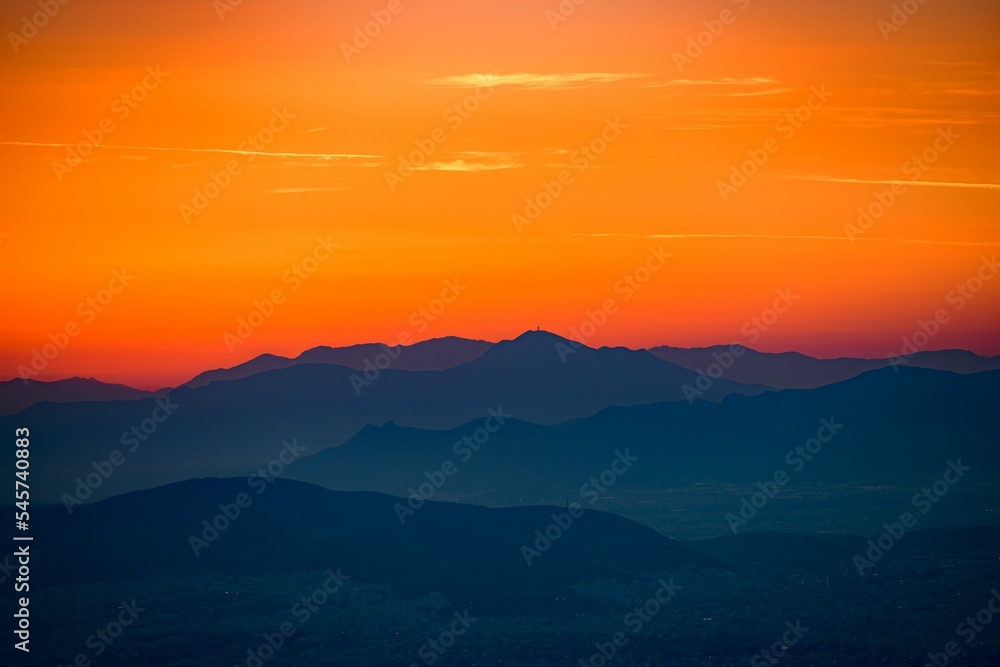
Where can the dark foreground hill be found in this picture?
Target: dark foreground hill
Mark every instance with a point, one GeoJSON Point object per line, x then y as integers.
{"type": "Point", "coordinates": [462, 551]}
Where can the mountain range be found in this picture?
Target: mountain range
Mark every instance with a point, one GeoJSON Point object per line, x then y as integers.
{"type": "Point", "coordinates": [881, 427]}
{"type": "Point", "coordinates": [436, 354]}
{"type": "Point", "coordinates": [19, 395]}
{"type": "Point", "coordinates": [228, 428]}
{"type": "Point", "coordinates": [561, 425]}
{"type": "Point", "coordinates": [793, 370]}
{"type": "Point", "coordinates": [786, 370]}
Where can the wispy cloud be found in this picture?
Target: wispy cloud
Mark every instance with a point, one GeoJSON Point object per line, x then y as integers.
{"type": "Point", "coordinates": [724, 81]}
{"type": "Point", "coordinates": [755, 93]}
{"type": "Point", "coordinates": [226, 151]}
{"type": "Point", "coordinates": [532, 80]}
{"type": "Point", "coordinates": [916, 183]}
{"type": "Point", "coordinates": [753, 86]}
{"type": "Point", "coordinates": [877, 116]}
{"type": "Point", "coordinates": [957, 63]}
{"type": "Point", "coordinates": [464, 165]}
{"type": "Point", "coordinates": [790, 237]}
{"type": "Point", "coordinates": [491, 160]}
{"type": "Point", "coordinates": [974, 92]}
{"type": "Point", "coordinates": [291, 191]}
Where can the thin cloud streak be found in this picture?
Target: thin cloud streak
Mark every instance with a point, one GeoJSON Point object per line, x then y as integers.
{"type": "Point", "coordinates": [756, 93]}
{"type": "Point", "coordinates": [226, 151]}
{"type": "Point", "coordinates": [725, 81]}
{"type": "Point", "coordinates": [289, 191]}
{"type": "Point", "coordinates": [462, 165]}
{"type": "Point", "coordinates": [931, 184]}
{"type": "Point", "coordinates": [785, 237]}
{"type": "Point", "coordinates": [532, 80]}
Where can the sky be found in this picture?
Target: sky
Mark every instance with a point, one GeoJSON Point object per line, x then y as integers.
{"type": "Point", "coordinates": [663, 170]}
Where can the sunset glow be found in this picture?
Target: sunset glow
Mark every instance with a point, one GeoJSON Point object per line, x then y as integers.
{"type": "Point", "coordinates": [214, 153]}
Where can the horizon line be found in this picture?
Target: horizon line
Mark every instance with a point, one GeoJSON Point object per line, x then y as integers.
{"type": "Point", "coordinates": [491, 343]}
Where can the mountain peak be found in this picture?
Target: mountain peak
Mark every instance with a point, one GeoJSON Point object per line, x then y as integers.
{"type": "Point", "coordinates": [540, 335]}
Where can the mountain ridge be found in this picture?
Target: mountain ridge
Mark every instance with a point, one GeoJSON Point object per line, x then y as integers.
{"type": "Point", "coordinates": [468, 553]}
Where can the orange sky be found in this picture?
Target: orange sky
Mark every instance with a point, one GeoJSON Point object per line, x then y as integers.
{"type": "Point", "coordinates": [552, 91]}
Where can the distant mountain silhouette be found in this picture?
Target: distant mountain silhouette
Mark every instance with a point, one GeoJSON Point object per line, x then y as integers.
{"type": "Point", "coordinates": [467, 553]}
{"type": "Point", "coordinates": [18, 395]}
{"type": "Point", "coordinates": [228, 428]}
{"type": "Point", "coordinates": [436, 354]}
{"type": "Point", "coordinates": [792, 370]}
{"type": "Point", "coordinates": [551, 376]}
{"type": "Point", "coordinates": [955, 361]}
{"type": "Point", "coordinates": [897, 428]}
